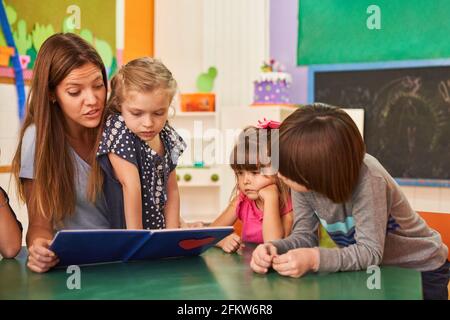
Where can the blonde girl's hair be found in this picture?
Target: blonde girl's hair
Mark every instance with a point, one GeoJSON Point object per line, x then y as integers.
{"type": "Point", "coordinates": [253, 152]}
{"type": "Point", "coordinates": [141, 75]}
{"type": "Point", "coordinates": [53, 195]}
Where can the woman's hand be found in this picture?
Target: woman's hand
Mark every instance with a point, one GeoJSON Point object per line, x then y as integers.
{"type": "Point", "coordinates": [230, 243]}
{"type": "Point", "coordinates": [297, 262]}
{"type": "Point", "coordinates": [40, 258]}
{"type": "Point", "coordinates": [269, 192]}
{"type": "Point", "coordinates": [262, 257]}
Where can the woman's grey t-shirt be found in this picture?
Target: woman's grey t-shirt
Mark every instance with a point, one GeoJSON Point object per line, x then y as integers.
{"type": "Point", "coordinates": [86, 215]}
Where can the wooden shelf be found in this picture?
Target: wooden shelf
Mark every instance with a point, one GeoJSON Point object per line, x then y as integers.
{"type": "Point", "coordinates": [7, 75]}
{"type": "Point", "coordinates": [200, 177]}
{"type": "Point", "coordinates": [183, 184]}
{"type": "Point", "coordinates": [181, 114]}
{"type": "Point", "coordinates": [274, 106]}
{"type": "Point", "coordinates": [5, 169]}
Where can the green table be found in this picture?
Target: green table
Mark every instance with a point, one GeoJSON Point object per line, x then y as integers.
{"type": "Point", "coordinates": [213, 275]}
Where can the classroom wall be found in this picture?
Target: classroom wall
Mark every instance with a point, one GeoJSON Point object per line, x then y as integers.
{"type": "Point", "coordinates": [283, 47]}
{"type": "Point", "coordinates": [179, 39]}
{"type": "Point", "coordinates": [232, 35]}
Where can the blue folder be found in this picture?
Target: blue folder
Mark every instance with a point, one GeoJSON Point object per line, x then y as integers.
{"type": "Point", "coordinates": [82, 247]}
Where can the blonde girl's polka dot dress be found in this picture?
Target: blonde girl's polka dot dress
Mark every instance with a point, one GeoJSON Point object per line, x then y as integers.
{"type": "Point", "coordinates": [153, 170]}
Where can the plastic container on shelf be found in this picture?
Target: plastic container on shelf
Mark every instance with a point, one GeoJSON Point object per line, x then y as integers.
{"type": "Point", "coordinates": [198, 102]}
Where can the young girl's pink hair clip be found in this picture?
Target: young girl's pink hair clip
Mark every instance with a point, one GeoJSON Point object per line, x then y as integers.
{"type": "Point", "coordinates": [271, 124]}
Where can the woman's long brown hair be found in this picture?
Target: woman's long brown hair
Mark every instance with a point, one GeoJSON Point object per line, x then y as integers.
{"type": "Point", "coordinates": [53, 194]}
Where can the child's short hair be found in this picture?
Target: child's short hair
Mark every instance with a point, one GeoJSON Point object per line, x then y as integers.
{"type": "Point", "coordinates": [253, 152]}
{"type": "Point", "coordinates": [322, 149]}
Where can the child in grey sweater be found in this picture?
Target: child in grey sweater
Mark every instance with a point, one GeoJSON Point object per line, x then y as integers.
{"type": "Point", "coordinates": [335, 183]}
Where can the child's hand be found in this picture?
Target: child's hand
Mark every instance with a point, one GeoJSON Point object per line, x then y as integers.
{"type": "Point", "coordinates": [297, 262]}
{"type": "Point", "coordinates": [262, 257]}
{"type": "Point", "coordinates": [230, 243]}
{"type": "Point", "coordinates": [40, 258]}
{"type": "Point", "coordinates": [268, 192]}
{"type": "Point", "coordinates": [196, 224]}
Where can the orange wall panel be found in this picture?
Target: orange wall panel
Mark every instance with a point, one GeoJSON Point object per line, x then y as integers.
{"type": "Point", "coordinates": [139, 29]}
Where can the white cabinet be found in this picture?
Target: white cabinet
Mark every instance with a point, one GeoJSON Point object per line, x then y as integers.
{"type": "Point", "coordinates": [199, 178]}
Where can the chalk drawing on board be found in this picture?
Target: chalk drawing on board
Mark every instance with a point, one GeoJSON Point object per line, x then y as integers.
{"type": "Point", "coordinates": [407, 115]}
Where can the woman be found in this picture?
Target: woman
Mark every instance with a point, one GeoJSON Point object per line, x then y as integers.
{"type": "Point", "coordinates": [57, 148]}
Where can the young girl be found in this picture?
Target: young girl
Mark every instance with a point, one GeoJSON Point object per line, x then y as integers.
{"type": "Point", "coordinates": [261, 200]}
{"type": "Point", "coordinates": [335, 183]}
{"type": "Point", "coordinates": [138, 151]}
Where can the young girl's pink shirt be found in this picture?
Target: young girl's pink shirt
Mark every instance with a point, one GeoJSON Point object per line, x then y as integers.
{"type": "Point", "coordinates": [252, 218]}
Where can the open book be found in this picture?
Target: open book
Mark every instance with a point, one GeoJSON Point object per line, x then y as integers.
{"type": "Point", "coordinates": [81, 247]}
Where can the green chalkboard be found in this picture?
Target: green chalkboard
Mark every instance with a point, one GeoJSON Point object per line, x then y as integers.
{"type": "Point", "coordinates": [335, 31]}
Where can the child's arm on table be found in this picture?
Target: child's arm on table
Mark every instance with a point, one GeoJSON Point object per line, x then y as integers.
{"type": "Point", "coordinates": [303, 234]}
{"type": "Point", "coordinates": [172, 209]}
{"type": "Point", "coordinates": [232, 242]}
{"type": "Point", "coordinates": [287, 221]}
{"type": "Point", "coordinates": [272, 226]}
{"type": "Point", "coordinates": [128, 176]}
{"type": "Point", "coordinates": [196, 224]}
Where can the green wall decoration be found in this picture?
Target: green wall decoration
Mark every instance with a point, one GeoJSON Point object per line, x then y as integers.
{"type": "Point", "coordinates": [22, 38]}
{"type": "Point", "coordinates": [54, 12]}
{"type": "Point", "coordinates": [336, 31]}
{"type": "Point", "coordinates": [205, 81]}
{"type": "Point", "coordinates": [12, 18]}
{"type": "Point", "coordinates": [105, 52]}
{"type": "Point", "coordinates": [37, 22]}
{"type": "Point", "coordinates": [40, 34]}
{"type": "Point", "coordinates": [11, 14]}
{"type": "Point", "coordinates": [32, 53]}
{"type": "Point", "coordinates": [87, 35]}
